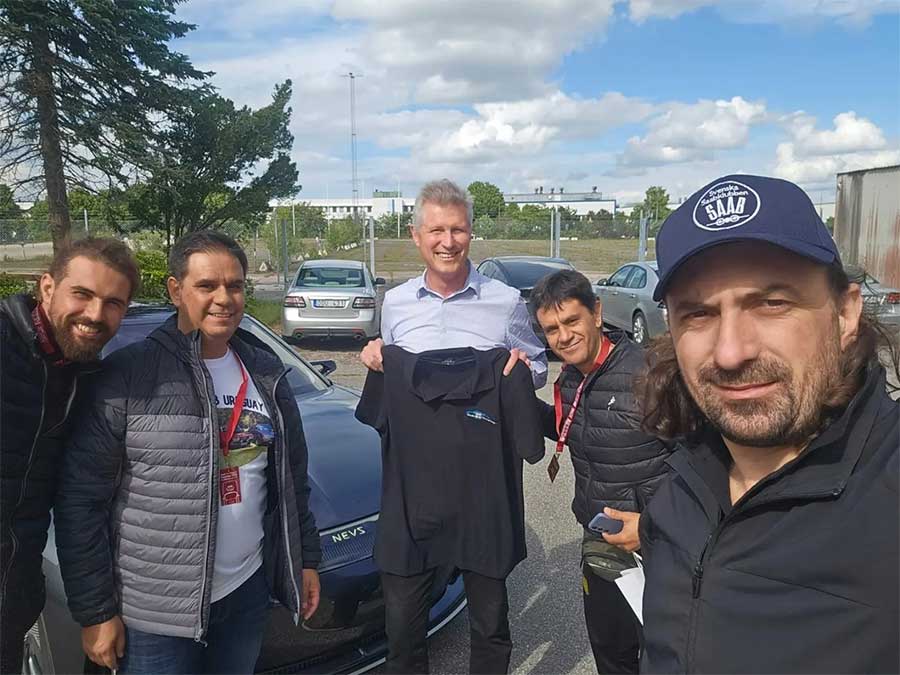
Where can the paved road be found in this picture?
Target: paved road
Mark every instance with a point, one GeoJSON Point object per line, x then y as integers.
{"type": "Point", "coordinates": [545, 590]}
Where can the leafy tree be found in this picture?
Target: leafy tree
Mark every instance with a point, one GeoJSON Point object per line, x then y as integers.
{"type": "Point", "coordinates": [8, 206]}
{"type": "Point", "coordinates": [83, 87]}
{"type": "Point", "coordinates": [341, 233]}
{"type": "Point", "coordinates": [274, 232]}
{"type": "Point", "coordinates": [310, 221]}
{"type": "Point", "coordinates": [207, 173]}
{"type": "Point", "coordinates": [487, 197]}
{"type": "Point", "coordinates": [386, 225]}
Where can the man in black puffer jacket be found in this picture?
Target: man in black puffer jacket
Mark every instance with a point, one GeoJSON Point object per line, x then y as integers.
{"type": "Point", "coordinates": [617, 466]}
{"type": "Point", "coordinates": [45, 346]}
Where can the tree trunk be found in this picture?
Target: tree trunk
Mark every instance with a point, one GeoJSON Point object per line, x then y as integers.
{"type": "Point", "coordinates": [51, 150]}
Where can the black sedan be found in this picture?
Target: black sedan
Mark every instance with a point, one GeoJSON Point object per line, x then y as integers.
{"type": "Point", "coordinates": [522, 272]}
{"type": "Point", "coordinates": [346, 634]}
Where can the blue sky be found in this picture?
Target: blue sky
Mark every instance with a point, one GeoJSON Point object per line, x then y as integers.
{"type": "Point", "coordinates": [617, 94]}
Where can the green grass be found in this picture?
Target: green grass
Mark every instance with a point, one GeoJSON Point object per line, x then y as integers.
{"type": "Point", "coordinates": [267, 311]}
{"type": "Point", "coordinates": [594, 255]}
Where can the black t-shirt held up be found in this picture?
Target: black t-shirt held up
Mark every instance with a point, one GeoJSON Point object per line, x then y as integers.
{"type": "Point", "coordinates": [454, 432]}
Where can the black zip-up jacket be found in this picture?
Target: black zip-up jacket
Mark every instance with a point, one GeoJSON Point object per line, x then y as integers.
{"type": "Point", "coordinates": [616, 463]}
{"type": "Point", "coordinates": [36, 398]}
{"type": "Point", "coordinates": [800, 575]}
{"type": "Point", "coordinates": [138, 497]}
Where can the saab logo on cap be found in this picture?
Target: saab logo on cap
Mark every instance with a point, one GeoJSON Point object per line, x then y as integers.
{"type": "Point", "coordinates": [726, 205]}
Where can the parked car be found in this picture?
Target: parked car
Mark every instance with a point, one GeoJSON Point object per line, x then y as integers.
{"type": "Point", "coordinates": [628, 304]}
{"type": "Point", "coordinates": [332, 298]}
{"type": "Point", "coordinates": [881, 300]}
{"type": "Point", "coordinates": [346, 634]}
{"type": "Point", "coordinates": [522, 272]}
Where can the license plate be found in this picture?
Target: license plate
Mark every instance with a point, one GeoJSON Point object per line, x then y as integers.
{"type": "Point", "coordinates": [328, 303]}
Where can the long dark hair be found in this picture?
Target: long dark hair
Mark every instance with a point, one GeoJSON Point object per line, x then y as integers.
{"type": "Point", "coordinates": [670, 411]}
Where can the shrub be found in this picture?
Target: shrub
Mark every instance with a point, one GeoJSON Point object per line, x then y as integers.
{"type": "Point", "coordinates": [10, 285]}
{"type": "Point", "coordinates": [154, 272]}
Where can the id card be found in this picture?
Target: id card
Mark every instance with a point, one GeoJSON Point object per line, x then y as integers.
{"type": "Point", "coordinates": [229, 486]}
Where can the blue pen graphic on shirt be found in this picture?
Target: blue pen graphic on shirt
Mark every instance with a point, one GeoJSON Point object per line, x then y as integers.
{"type": "Point", "coordinates": [476, 414]}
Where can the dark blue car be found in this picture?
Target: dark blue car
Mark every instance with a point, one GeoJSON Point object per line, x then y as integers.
{"type": "Point", "coordinates": [346, 634]}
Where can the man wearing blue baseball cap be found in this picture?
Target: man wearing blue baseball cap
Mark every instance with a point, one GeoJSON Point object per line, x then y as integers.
{"type": "Point", "coordinates": [774, 547]}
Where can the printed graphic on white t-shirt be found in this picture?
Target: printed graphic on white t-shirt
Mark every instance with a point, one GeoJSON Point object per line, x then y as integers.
{"type": "Point", "coordinates": [242, 478]}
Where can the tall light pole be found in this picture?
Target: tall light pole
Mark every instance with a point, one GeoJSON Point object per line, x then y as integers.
{"type": "Point", "coordinates": [354, 177]}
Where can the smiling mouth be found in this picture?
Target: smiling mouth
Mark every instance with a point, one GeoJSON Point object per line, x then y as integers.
{"type": "Point", "coordinates": [221, 315]}
{"type": "Point", "coordinates": [446, 256]}
{"type": "Point", "coordinates": [746, 390]}
{"type": "Point", "coordinates": [86, 331]}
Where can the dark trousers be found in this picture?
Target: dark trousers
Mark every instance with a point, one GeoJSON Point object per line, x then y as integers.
{"type": "Point", "coordinates": [407, 603]}
{"type": "Point", "coordinates": [20, 607]}
{"type": "Point", "coordinates": [612, 627]}
{"type": "Point", "coordinates": [234, 637]}
{"type": "Point", "coordinates": [12, 642]}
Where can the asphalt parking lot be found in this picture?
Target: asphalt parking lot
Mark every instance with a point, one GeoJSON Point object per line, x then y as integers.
{"type": "Point", "coordinates": [545, 590]}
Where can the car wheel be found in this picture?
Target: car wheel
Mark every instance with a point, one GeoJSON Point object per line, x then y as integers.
{"type": "Point", "coordinates": [36, 658]}
{"type": "Point", "coordinates": [639, 328]}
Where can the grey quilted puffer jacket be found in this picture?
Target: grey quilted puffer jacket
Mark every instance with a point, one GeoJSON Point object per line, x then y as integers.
{"type": "Point", "coordinates": [138, 496]}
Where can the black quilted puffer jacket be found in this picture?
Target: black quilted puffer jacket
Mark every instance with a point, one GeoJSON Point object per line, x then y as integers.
{"type": "Point", "coordinates": [36, 398]}
{"type": "Point", "coordinates": [616, 463]}
{"type": "Point", "coordinates": [138, 496]}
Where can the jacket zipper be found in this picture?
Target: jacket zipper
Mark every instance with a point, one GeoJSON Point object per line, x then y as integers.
{"type": "Point", "coordinates": [37, 435]}
{"type": "Point", "coordinates": [283, 497]}
{"type": "Point", "coordinates": [209, 497]}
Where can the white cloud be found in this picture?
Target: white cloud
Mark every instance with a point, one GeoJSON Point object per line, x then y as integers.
{"type": "Point", "coordinates": [850, 134]}
{"type": "Point", "coordinates": [473, 51]}
{"type": "Point", "coordinates": [813, 157]}
{"type": "Point", "coordinates": [686, 132]}
{"type": "Point", "coordinates": [851, 12]}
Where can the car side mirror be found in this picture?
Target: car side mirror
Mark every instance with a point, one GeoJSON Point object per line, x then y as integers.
{"type": "Point", "coordinates": [379, 281]}
{"type": "Point", "coordinates": [325, 368]}
{"type": "Point", "coordinates": [602, 282]}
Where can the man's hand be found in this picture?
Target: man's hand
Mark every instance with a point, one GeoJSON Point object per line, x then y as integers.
{"type": "Point", "coordinates": [628, 539]}
{"type": "Point", "coordinates": [104, 643]}
{"type": "Point", "coordinates": [311, 593]}
{"type": "Point", "coordinates": [371, 355]}
{"type": "Point", "coordinates": [515, 355]}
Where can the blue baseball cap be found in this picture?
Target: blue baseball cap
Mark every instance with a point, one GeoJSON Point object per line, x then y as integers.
{"type": "Point", "coordinates": [742, 208]}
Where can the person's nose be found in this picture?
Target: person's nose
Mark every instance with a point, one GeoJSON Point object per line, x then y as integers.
{"type": "Point", "coordinates": [737, 340]}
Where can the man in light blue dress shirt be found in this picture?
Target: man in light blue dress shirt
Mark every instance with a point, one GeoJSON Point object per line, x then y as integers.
{"type": "Point", "coordinates": [451, 305]}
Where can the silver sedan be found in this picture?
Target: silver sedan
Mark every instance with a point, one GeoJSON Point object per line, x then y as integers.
{"type": "Point", "coordinates": [332, 298]}
{"type": "Point", "coordinates": [628, 304]}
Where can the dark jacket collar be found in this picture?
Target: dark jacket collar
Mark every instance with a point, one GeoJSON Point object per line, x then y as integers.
{"type": "Point", "coordinates": [474, 369]}
{"type": "Point", "coordinates": [257, 357]}
{"type": "Point", "coordinates": [821, 470]}
{"type": "Point", "coordinates": [18, 308]}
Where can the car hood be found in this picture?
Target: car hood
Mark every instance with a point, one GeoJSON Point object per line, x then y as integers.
{"type": "Point", "coordinates": [344, 458]}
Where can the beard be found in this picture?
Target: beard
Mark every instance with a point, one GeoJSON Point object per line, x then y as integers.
{"type": "Point", "coordinates": [791, 415]}
{"type": "Point", "coordinates": [77, 347]}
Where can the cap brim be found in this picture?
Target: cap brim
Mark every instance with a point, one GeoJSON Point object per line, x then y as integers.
{"type": "Point", "coordinates": [805, 249]}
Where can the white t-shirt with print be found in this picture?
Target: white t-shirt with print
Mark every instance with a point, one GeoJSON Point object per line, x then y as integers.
{"type": "Point", "coordinates": [239, 531]}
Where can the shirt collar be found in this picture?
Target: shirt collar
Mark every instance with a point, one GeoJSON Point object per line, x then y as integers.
{"type": "Point", "coordinates": [473, 281]}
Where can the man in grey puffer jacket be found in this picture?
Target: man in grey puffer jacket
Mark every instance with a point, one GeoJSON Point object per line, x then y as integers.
{"type": "Point", "coordinates": [183, 499]}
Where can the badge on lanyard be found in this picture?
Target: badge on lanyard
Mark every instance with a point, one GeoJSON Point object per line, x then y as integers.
{"type": "Point", "coordinates": [563, 432]}
{"type": "Point", "coordinates": [230, 477]}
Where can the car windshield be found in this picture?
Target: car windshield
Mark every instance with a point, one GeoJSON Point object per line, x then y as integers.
{"type": "Point", "coordinates": [525, 274]}
{"type": "Point", "coordinates": [301, 377]}
{"type": "Point", "coordinates": [329, 277]}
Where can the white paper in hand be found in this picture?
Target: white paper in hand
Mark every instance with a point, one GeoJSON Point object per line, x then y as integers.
{"type": "Point", "coordinates": [631, 583]}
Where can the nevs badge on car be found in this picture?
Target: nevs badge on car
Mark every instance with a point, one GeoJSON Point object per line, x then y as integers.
{"type": "Point", "coordinates": [357, 531]}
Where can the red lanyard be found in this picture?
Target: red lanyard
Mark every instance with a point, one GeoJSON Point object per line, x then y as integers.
{"type": "Point", "coordinates": [563, 432]}
{"type": "Point", "coordinates": [226, 436]}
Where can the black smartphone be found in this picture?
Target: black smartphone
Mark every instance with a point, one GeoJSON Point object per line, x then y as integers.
{"type": "Point", "coordinates": [603, 523]}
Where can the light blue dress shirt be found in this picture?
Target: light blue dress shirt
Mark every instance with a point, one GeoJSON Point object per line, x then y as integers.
{"type": "Point", "coordinates": [484, 314]}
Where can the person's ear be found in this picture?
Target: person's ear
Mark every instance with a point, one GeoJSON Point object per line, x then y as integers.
{"type": "Point", "coordinates": [598, 314]}
{"type": "Point", "coordinates": [174, 288]}
{"type": "Point", "coordinates": [46, 287]}
{"type": "Point", "coordinates": [849, 313]}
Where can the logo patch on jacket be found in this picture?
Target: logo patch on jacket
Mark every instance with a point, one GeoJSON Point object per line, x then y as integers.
{"type": "Point", "coordinates": [476, 414]}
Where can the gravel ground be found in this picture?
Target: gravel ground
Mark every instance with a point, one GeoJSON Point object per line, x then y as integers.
{"type": "Point", "coordinates": [545, 590]}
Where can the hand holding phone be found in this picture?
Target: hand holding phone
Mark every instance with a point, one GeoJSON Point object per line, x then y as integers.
{"type": "Point", "coordinates": [602, 523]}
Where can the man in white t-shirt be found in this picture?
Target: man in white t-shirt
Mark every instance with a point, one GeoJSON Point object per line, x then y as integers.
{"type": "Point", "coordinates": [184, 500]}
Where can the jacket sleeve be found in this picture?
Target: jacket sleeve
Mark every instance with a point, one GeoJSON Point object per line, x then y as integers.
{"type": "Point", "coordinates": [298, 456]}
{"type": "Point", "coordinates": [88, 481]}
{"type": "Point", "coordinates": [523, 430]}
{"type": "Point", "coordinates": [548, 420]}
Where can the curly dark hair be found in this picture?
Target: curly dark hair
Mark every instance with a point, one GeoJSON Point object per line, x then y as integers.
{"type": "Point", "coordinates": [111, 252]}
{"type": "Point", "coordinates": [671, 413]}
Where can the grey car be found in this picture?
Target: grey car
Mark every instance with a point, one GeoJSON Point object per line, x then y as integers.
{"type": "Point", "coordinates": [881, 300]}
{"type": "Point", "coordinates": [628, 304]}
{"type": "Point", "coordinates": [332, 298]}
